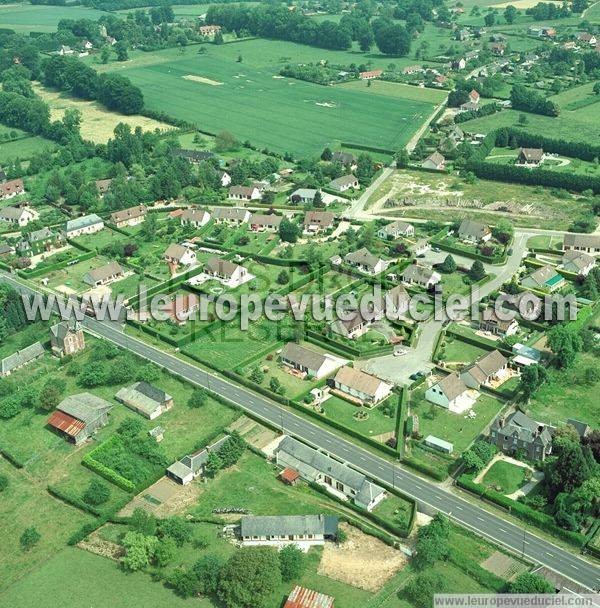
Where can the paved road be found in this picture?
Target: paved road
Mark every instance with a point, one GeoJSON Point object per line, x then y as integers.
{"type": "Point", "coordinates": [426, 493]}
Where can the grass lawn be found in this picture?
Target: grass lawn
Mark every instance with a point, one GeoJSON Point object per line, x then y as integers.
{"type": "Point", "coordinates": [555, 400]}
{"type": "Point", "coordinates": [227, 346]}
{"type": "Point", "coordinates": [506, 476]}
{"type": "Point", "coordinates": [457, 351]}
{"type": "Point", "coordinates": [104, 237]}
{"type": "Point", "coordinates": [128, 286]}
{"type": "Point", "coordinates": [247, 94]}
{"type": "Point", "coordinates": [71, 277]}
{"type": "Point", "coordinates": [455, 428]}
{"type": "Point", "coordinates": [327, 284]}
{"type": "Point", "coordinates": [28, 335]}
{"type": "Point", "coordinates": [454, 284]}
{"type": "Point", "coordinates": [543, 241]}
{"type": "Point", "coordinates": [343, 412]}
{"type": "Point", "coordinates": [24, 148]}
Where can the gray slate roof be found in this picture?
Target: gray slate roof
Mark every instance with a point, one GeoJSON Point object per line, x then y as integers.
{"type": "Point", "coordinates": [297, 525]}
{"type": "Point", "coordinates": [84, 406]}
{"type": "Point", "coordinates": [144, 396]}
{"type": "Point", "coordinates": [362, 257]}
{"type": "Point", "coordinates": [303, 356]}
{"type": "Point", "coordinates": [309, 462]}
{"type": "Point", "coordinates": [21, 357]}
{"type": "Point", "coordinates": [62, 329]}
{"type": "Point", "coordinates": [83, 222]}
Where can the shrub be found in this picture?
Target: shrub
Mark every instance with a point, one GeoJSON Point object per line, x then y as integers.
{"type": "Point", "coordinates": [97, 493]}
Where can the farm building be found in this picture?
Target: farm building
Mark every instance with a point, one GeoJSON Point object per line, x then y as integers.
{"type": "Point", "coordinates": [304, 531]}
{"type": "Point", "coordinates": [66, 338]}
{"type": "Point", "coordinates": [318, 221]}
{"type": "Point", "coordinates": [11, 188]}
{"type": "Point", "coordinates": [233, 216]}
{"type": "Point", "coordinates": [129, 217]}
{"type": "Point", "coordinates": [434, 161]}
{"type": "Point", "coordinates": [21, 358]}
{"type": "Point", "coordinates": [365, 261]}
{"type": "Point", "coordinates": [396, 229]}
{"type": "Point", "coordinates": [335, 477]}
{"type": "Point", "coordinates": [485, 370]}
{"type": "Point", "coordinates": [474, 232]}
{"type": "Point", "coordinates": [19, 215]}
{"type": "Point", "coordinates": [309, 362]}
{"type": "Point", "coordinates": [145, 399]}
{"type": "Point", "coordinates": [88, 224]}
{"type": "Point", "coordinates": [359, 386]}
{"type": "Point", "coordinates": [343, 183]}
{"type": "Point", "coordinates": [189, 467]}
{"type": "Point", "coordinates": [195, 217]}
{"type": "Point", "coordinates": [104, 274]}
{"type": "Point", "coordinates": [451, 393]}
{"type": "Point", "coordinates": [301, 597]}
{"type": "Point", "coordinates": [78, 417]}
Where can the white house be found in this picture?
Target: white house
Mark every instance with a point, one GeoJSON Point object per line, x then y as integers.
{"type": "Point", "coordinates": [450, 393]}
{"type": "Point", "coordinates": [362, 387]}
{"type": "Point", "coordinates": [424, 276]}
{"type": "Point", "coordinates": [578, 262]}
{"type": "Point", "coordinates": [366, 262]}
{"type": "Point", "coordinates": [489, 368]}
{"type": "Point", "coordinates": [244, 193]}
{"type": "Point", "coordinates": [434, 161]}
{"type": "Point", "coordinates": [345, 182]}
{"type": "Point", "coordinates": [194, 217]}
{"type": "Point", "coordinates": [232, 216]}
{"type": "Point", "coordinates": [304, 531]}
{"type": "Point", "coordinates": [309, 362]}
{"type": "Point", "coordinates": [180, 255]}
{"type": "Point", "coordinates": [396, 229]}
{"type": "Point", "coordinates": [474, 232]}
{"type": "Point", "coordinates": [88, 224]}
{"type": "Point", "coordinates": [20, 216]}
{"type": "Point", "coordinates": [318, 221]}
{"type": "Point", "coordinates": [260, 222]}
{"type": "Point", "coordinates": [229, 274]}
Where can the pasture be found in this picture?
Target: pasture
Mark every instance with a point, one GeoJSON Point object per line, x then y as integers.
{"type": "Point", "coordinates": [256, 104]}
{"type": "Point", "coordinates": [40, 18]}
{"type": "Point", "coordinates": [396, 90]}
{"type": "Point", "coordinates": [24, 148]}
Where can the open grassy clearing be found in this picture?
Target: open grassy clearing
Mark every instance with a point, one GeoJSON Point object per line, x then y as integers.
{"type": "Point", "coordinates": [97, 123]}
{"type": "Point", "coordinates": [40, 18]}
{"type": "Point", "coordinates": [251, 98]}
{"type": "Point", "coordinates": [448, 198]}
{"type": "Point", "coordinates": [455, 428]}
{"type": "Point", "coordinates": [554, 401]}
{"type": "Point", "coordinates": [457, 351]}
{"type": "Point", "coordinates": [506, 476]}
{"type": "Point", "coordinates": [569, 125]}
{"type": "Point", "coordinates": [24, 148]}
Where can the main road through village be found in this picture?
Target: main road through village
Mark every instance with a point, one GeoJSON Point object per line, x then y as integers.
{"type": "Point", "coordinates": [426, 493]}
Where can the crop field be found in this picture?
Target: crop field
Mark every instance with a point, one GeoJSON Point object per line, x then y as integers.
{"type": "Point", "coordinates": [40, 18]}
{"type": "Point", "coordinates": [217, 92]}
{"type": "Point", "coordinates": [97, 123]}
{"type": "Point", "coordinates": [396, 90]}
{"type": "Point", "coordinates": [24, 148]}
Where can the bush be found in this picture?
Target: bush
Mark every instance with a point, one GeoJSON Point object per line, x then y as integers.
{"type": "Point", "coordinates": [96, 494]}
{"type": "Point", "coordinates": [3, 483]}
{"type": "Point", "coordinates": [29, 538]}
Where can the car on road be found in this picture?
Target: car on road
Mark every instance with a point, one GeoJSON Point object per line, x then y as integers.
{"type": "Point", "coordinates": [416, 376]}
{"type": "Point", "coordinates": [399, 352]}
{"type": "Point", "coordinates": [435, 249]}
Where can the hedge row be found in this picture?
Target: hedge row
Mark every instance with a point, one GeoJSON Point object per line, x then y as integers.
{"type": "Point", "coordinates": [470, 567]}
{"type": "Point", "coordinates": [401, 421]}
{"type": "Point", "coordinates": [479, 342]}
{"type": "Point", "coordinates": [97, 467]}
{"type": "Point", "coordinates": [520, 510]}
{"type": "Point", "coordinates": [14, 460]}
{"type": "Point", "coordinates": [425, 468]}
{"type": "Point", "coordinates": [74, 501]}
{"type": "Point", "coordinates": [36, 272]}
{"type": "Point", "coordinates": [367, 148]}
{"type": "Point", "coordinates": [501, 259]}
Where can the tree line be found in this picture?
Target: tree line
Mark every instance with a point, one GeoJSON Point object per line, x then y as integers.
{"type": "Point", "coordinates": [282, 24]}
{"type": "Point", "coordinates": [524, 98]}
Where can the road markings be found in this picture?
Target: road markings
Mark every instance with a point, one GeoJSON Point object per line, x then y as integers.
{"type": "Point", "coordinates": [550, 554]}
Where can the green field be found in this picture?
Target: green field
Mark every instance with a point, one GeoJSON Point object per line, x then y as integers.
{"type": "Point", "coordinates": [40, 18]}
{"type": "Point", "coordinates": [281, 114]}
{"type": "Point", "coordinates": [24, 148]}
{"type": "Point", "coordinates": [572, 125]}
{"type": "Point", "coordinates": [396, 90]}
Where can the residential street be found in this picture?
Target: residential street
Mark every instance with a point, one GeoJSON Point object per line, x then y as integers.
{"type": "Point", "coordinates": [428, 494]}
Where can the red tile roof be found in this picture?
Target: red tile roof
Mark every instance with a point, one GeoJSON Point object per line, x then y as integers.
{"type": "Point", "coordinates": [289, 475]}
{"type": "Point", "coordinates": [300, 597]}
{"type": "Point", "coordinates": [65, 423]}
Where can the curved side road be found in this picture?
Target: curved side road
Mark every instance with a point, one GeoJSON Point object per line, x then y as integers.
{"type": "Point", "coordinates": [424, 492]}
